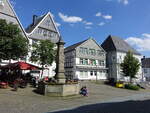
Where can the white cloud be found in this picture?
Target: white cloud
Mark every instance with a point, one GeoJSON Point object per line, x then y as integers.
{"type": "Point", "coordinates": [146, 35]}
{"type": "Point", "coordinates": [125, 2]}
{"type": "Point", "coordinates": [58, 24]}
{"type": "Point", "coordinates": [101, 24]}
{"type": "Point", "coordinates": [107, 17]}
{"type": "Point", "coordinates": [88, 27]}
{"type": "Point", "coordinates": [87, 23]}
{"type": "Point", "coordinates": [70, 19]}
{"type": "Point", "coordinates": [98, 14]}
{"type": "Point", "coordinates": [140, 43]}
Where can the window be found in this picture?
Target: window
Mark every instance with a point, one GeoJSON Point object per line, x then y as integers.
{"type": "Point", "coordinates": [85, 51]}
{"type": "Point", "coordinates": [101, 62]}
{"type": "Point", "coordinates": [104, 71]}
{"type": "Point", "coordinates": [92, 52]}
{"type": "Point", "coordinates": [92, 62]}
{"type": "Point", "coordinates": [91, 73]}
{"type": "Point", "coordinates": [95, 73]}
{"type": "Point", "coordinates": [49, 34]}
{"type": "Point", "coordinates": [81, 50]}
{"type": "Point", "coordinates": [40, 31]}
{"type": "Point", "coordinates": [86, 61]}
{"type": "Point", "coordinates": [100, 53]}
{"type": "Point", "coordinates": [44, 32]}
{"type": "Point", "coordinates": [52, 34]}
{"type": "Point", "coordinates": [83, 74]}
{"type": "Point", "coordinates": [145, 70]}
{"type": "Point", "coordinates": [81, 61]}
{"type": "Point", "coordinates": [113, 58]}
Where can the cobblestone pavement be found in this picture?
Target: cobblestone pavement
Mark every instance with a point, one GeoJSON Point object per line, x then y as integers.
{"type": "Point", "coordinates": [101, 98]}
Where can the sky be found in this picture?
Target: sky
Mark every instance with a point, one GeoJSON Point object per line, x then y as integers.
{"type": "Point", "coordinates": [78, 20]}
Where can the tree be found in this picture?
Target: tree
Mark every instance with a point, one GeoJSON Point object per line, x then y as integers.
{"type": "Point", "coordinates": [12, 43]}
{"type": "Point", "coordinates": [130, 66]}
{"type": "Point", "coordinates": [43, 52]}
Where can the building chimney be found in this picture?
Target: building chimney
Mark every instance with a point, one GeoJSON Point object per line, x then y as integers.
{"type": "Point", "coordinates": [34, 19]}
{"type": "Point", "coordinates": [143, 58]}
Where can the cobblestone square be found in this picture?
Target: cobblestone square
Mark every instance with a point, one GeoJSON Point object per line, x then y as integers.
{"type": "Point", "coordinates": [27, 101]}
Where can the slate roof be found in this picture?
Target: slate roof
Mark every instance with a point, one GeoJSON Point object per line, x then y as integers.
{"type": "Point", "coordinates": [146, 62]}
{"type": "Point", "coordinates": [31, 27]}
{"type": "Point", "coordinates": [113, 43]}
{"type": "Point", "coordinates": [72, 47]}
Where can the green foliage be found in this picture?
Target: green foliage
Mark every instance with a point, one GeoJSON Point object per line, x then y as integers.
{"type": "Point", "coordinates": [12, 44]}
{"type": "Point", "coordinates": [130, 65]}
{"type": "Point", "coordinates": [43, 52]}
{"type": "Point", "coordinates": [132, 87]}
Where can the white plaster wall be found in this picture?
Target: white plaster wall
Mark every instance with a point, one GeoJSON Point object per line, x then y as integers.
{"type": "Point", "coordinates": [120, 58]}
{"type": "Point", "coordinates": [148, 72]}
{"type": "Point", "coordinates": [100, 76]}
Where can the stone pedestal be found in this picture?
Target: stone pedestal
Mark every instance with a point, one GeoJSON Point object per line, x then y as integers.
{"type": "Point", "coordinates": [58, 89]}
{"type": "Point", "coordinates": [60, 76]}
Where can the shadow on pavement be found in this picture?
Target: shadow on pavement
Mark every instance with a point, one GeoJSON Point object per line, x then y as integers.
{"type": "Point", "coordinates": [114, 107]}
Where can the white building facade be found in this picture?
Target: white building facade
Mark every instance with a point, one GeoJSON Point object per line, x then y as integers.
{"type": "Point", "coordinates": [146, 68]}
{"type": "Point", "coordinates": [7, 13]}
{"type": "Point", "coordinates": [42, 28]}
{"type": "Point", "coordinates": [117, 49]}
{"type": "Point", "coordinates": [85, 60]}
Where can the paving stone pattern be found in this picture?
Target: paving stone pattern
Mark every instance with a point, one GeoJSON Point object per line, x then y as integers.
{"type": "Point", "coordinates": [101, 99]}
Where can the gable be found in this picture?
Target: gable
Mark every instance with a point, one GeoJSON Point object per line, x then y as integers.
{"type": "Point", "coordinates": [91, 44]}
{"type": "Point", "coordinates": [90, 49]}
{"type": "Point", "coordinates": [108, 45]}
{"type": "Point", "coordinates": [6, 8]}
{"type": "Point", "coordinates": [47, 23]}
{"type": "Point", "coordinates": [7, 13]}
{"type": "Point", "coordinates": [113, 43]}
{"type": "Point", "coordinates": [44, 29]}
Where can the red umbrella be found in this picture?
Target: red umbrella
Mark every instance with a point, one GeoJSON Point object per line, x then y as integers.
{"type": "Point", "coordinates": [20, 65]}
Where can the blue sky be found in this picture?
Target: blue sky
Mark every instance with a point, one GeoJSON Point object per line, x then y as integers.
{"type": "Point", "coordinates": [81, 19]}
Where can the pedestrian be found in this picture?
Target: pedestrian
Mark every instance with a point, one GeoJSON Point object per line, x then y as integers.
{"type": "Point", "coordinates": [16, 84]}
{"type": "Point", "coordinates": [84, 91]}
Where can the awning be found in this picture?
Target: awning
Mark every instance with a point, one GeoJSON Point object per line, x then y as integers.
{"type": "Point", "coordinates": [20, 66]}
